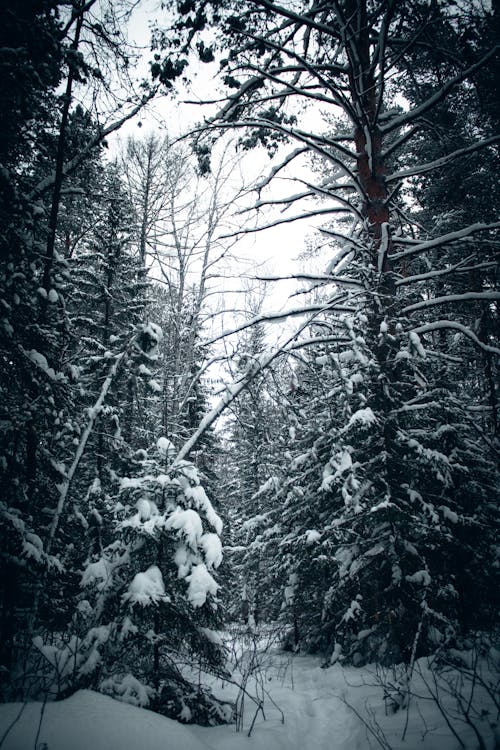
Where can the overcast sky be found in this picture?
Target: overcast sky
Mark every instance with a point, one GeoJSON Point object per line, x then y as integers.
{"type": "Point", "coordinates": [277, 247]}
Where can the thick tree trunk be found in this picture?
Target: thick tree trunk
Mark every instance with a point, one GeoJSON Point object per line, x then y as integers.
{"type": "Point", "coordinates": [367, 136]}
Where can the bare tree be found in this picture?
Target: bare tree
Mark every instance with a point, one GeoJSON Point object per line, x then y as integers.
{"type": "Point", "coordinates": [181, 218]}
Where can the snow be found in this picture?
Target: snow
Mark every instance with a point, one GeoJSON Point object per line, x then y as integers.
{"type": "Point", "coordinates": [323, 359]}
{"type": "Point", "coordinates": [270, 485]}
{"type": "Point", "coordinates": [188, 525]}
{"type": "Point", "coordinates": [197, 494]}
{"type": "Point", "coordinates": [449, 514]}
{"type": "Point", "coordinates": [417, 344]}
{"type": "Point", "coordinates": [153, 334]}
{"type": "Point", "coordinates": [146, 508]}
{"type": "Point", "coordinates": [312, 536]}
{"type": "Point", "coordinates": [421, 576]}
{"type": "Point", "coordinates": [165, 447]}
{"type": "Point", "coordinates": [312, 707]}
{"type": "Point", "coordinates": [384, 245]}
{"type": "Point", "coordinates": [254, 522]}
{"type": "Point", "coordinates": [95, 487]}
{"type": "Point", "coordinates": [199, 498]}
{"type": "Point", "coordinates": [213, 636]}
{"type": "Point", "coordinates": [41, 361]}
{"type": "Point", "coordinates": [146, 588]}
{"type": "Point", "coordinates": [164, 480]}
{"type": "Point", "coordinates": [342, 462]}
{"type": "Point", "coordinates": [352, 612]}
{"type": "Point", "coordinates": [89, 721]}
{"type": "Point", "coordinates": [98, 572]}
{"type": "Point", "coordinates": [129, 690]}
{"type": "Point", "coordinates": [382, 505]}
{"type": "Point", "coordinates": [212, 547]}
{"type": "Point", "coordinates": [289, 590]}
{"type": "Point", "coordinates": [131, 483]}
{"type": "Point", "coordinates": [201, 584]}
{"type": "Point", "coordinates": [362, 417]}
{"type": "Point", "coordinates": [62, 659]}
{"type": "Point", "coordinates": [184, 560]}
{"type": "Point", "coordinates": [33, 547]}
{"type": "Point", "coordinates": [299, 461]}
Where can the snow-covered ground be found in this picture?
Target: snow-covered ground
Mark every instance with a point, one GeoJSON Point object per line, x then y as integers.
{"type": "Point", "coordinates": [305, 707]}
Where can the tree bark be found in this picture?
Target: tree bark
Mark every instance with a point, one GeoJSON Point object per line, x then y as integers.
{"type": "Point", "coordinates": [61, 149]}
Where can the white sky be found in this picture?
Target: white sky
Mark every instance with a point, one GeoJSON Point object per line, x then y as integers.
{"type": "Point", "coordinates": [272, 251]}
{"type": "Point", "coordinates": [276, 248]}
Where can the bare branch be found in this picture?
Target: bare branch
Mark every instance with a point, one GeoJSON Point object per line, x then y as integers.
{"type": "Point", "coordinates": [71, 165]}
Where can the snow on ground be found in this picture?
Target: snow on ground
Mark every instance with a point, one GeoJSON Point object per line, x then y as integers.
{"type": "Point", "coordinates": [90, 721]}
{"type": "Point", "coordinates": [323, 709]}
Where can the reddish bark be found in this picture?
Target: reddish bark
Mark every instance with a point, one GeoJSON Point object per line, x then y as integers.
{"type": "Point", "coordinates": [367, 137]}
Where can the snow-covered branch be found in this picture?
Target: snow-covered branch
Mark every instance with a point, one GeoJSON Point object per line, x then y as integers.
{"type": "Point", "coordinates": [446, 239]}
{"type": "Point", "coordinates": [457, 268]}
{"type": "Point", "coordinates": [289, 158]}
{"type": "Point", "coordinates": [324, 278]}
{"type": "Point", "coordinates": [439, 95]}
{"type": "Point", "coordinates": [438, 325]}
{"type": "Point", "coordinates": [443, 161]}
{"type": "Point", "coordinates": [286, 220]}
{"type": "Point", "coordinates": [93, 413]}
{"type": "Point", "coordinates": [465, 297]}
{"type": "Point", "coordinates": [232, 392]}
{"type": "Point", "coordinates": [277, 317]}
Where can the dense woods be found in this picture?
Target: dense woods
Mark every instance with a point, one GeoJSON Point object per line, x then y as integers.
{"type": "Point", "coordinates": [339, 481]}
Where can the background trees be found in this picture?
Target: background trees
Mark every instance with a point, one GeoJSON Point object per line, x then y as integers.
{"type": "Point", "coordinates": [251, 468]}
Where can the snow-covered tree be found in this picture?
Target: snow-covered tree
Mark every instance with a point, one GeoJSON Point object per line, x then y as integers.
{"type": "Point", "coordinates": [44, 144]}
{"type": "Point", "coordinates": [251, 464]}
{"type": "Point", "coordinates": [149, 601]}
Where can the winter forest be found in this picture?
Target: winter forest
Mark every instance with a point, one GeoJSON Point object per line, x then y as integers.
{"type": "Point", "coordinates": [249, 359]}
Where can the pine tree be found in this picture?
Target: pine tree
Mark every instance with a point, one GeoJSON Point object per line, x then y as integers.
{"type": "Point", "coordinates": [253, 458]}
{"type": "Point", "coordinates": [151, 596]}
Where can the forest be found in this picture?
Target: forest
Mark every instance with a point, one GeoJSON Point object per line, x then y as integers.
{"type": "Point", "coordinates": [227, 452]}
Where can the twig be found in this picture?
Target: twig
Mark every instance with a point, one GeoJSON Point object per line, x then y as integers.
{"type": "Point", "coordinates": [13, 723]}
{"type": "Point", "coordinates": [42, 711]}
{"type": "Point", "coordinates": [382, 740]}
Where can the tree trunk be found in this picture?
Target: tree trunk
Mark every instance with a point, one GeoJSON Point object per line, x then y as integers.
{"type": "Point", "coordinates": [61, 148]}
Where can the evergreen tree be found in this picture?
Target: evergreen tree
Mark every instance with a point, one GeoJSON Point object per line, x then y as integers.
{"type": "Point", "coordinates": [40, 399]}
{"type": "Point", "coordinates": [253, 458]}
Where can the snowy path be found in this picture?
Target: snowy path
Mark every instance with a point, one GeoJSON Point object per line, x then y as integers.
{"type": "Point", "coordinates": [316, 718]}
